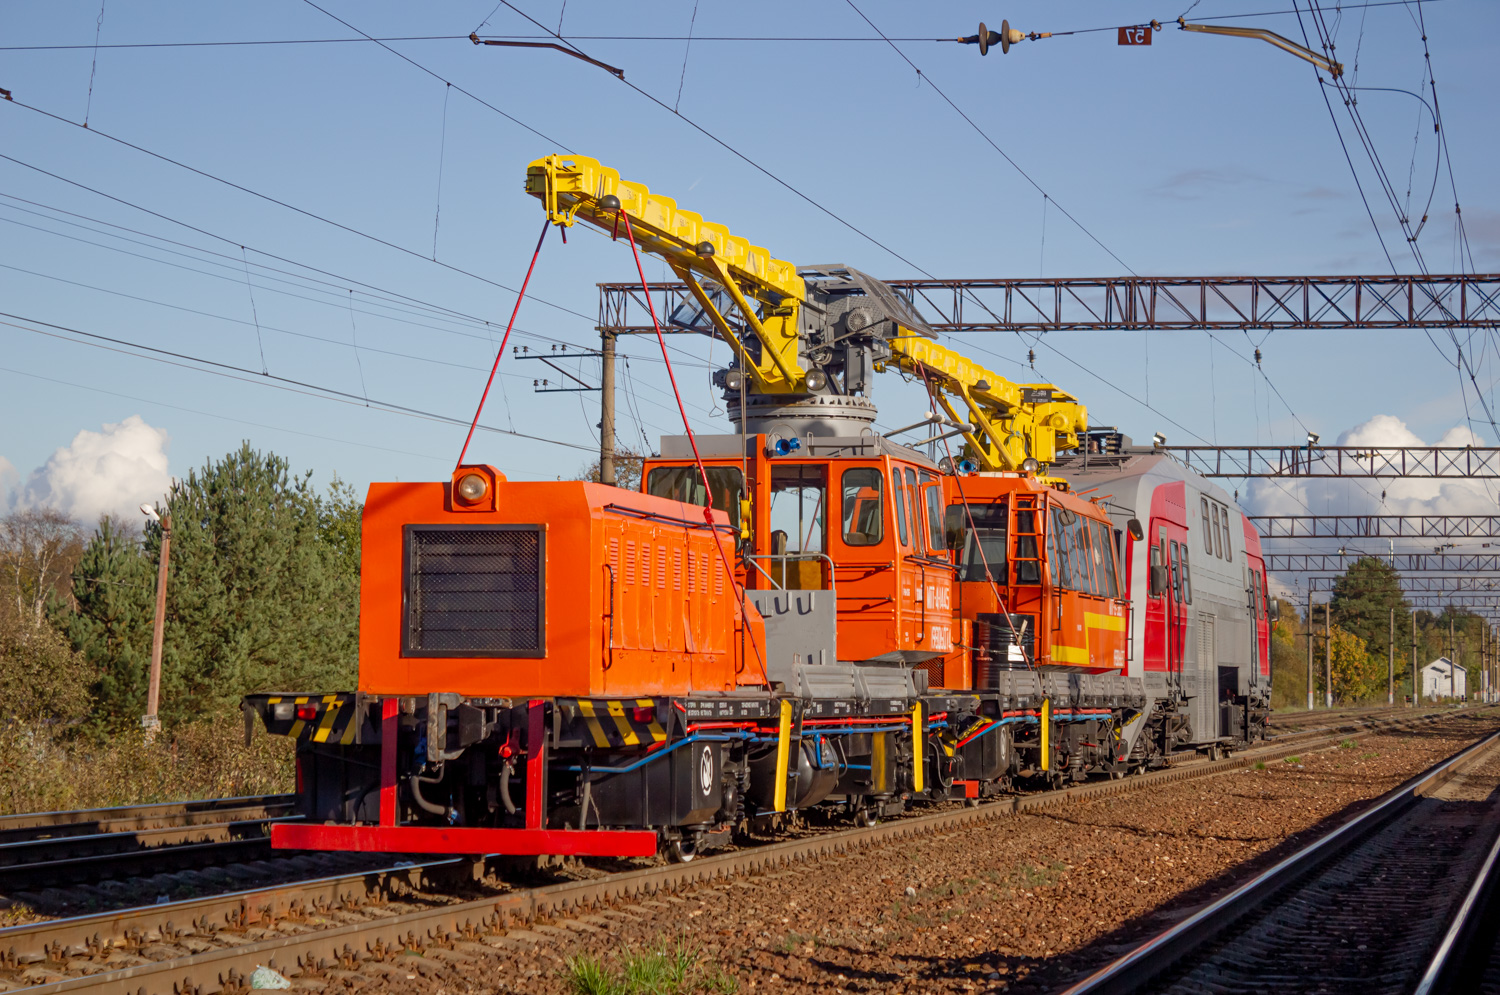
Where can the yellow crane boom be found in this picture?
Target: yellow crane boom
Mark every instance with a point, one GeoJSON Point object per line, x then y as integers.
{"type": "Point", "coordinates": [792, 328]}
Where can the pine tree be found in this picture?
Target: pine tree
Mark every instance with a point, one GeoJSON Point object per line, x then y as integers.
{"type": "Point", "coordinates": [113, 589]}
{"type": "Point", "coordinates": [1362, 602]}
{"type": "Point", "coordinates": [262, 593]}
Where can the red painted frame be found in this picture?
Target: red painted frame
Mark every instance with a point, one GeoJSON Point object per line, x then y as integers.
{"type": "Point", "coordinates": [436, 839]}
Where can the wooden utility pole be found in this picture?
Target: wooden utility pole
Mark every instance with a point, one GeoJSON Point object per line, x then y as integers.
{"type": "Point", "coordinates": [149, 721]}
{"type": "Point", "coordinates": [1328, 655]}
{"type": "Point", "coordinates": [1309, 653]}
{"type": "Point", "coordinates": [1390, 664]}
{"type": "Point", "coordinates": [607, 408]}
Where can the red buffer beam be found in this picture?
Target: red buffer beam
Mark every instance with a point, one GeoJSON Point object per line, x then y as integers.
{"type": "Point", "coordinates": [1183, 303]}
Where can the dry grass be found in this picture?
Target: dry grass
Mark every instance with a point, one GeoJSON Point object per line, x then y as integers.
{"type": "Point", "coordinates": [40, 772]}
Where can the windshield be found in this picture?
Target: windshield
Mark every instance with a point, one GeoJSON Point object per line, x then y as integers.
{"type": "Point", "coordinates": [684, 483]}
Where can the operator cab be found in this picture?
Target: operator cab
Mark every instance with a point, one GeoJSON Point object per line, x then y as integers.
{"type": "Point", "coordinates": [863, 525]}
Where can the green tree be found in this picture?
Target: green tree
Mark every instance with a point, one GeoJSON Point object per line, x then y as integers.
{"type": "Point", "coordinates": [263, 592]}
{"type": "Point", "coordinates": [114, 595]}
{"type": "Point", "coordinates": [1356, 673]}
{"type": "Point", "coordinates": [1363, 599]}
{"type": "Point", "coordinates": [1288, 658]}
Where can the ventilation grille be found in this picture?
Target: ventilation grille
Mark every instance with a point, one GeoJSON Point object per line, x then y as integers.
{"type": "Point", "coordinates": [474, 591]}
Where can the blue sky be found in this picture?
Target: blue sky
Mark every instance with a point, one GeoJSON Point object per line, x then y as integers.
{"type": "Point", "coordinates": [1198, 155]}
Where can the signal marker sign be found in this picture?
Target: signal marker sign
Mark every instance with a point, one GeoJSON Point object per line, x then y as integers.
{"type": "Point", "coordinates": [1138, 35]}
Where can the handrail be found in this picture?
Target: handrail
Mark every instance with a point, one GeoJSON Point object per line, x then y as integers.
{"type": "Point", "coordinates": [785, 557]}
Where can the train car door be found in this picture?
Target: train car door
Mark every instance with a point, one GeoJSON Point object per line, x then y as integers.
{"type": "Point", "coordinates": [1168, 537]}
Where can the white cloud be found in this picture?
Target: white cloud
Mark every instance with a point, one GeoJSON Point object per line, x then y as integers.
{"type": "Point", "coordinates": [107, 472]}
{"type": "Point", "coordinates": [1294, 496]}
{"type": "Point", "coordinates": [1375, 497]}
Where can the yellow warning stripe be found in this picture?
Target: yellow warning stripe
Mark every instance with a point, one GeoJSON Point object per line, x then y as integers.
{"type": "Point", "coordinates": [783, 754]}
{"type": "Point", "coordinates": [586, 709]}
{"type": "Point", "coordinates": [622, 728]}
{"type": "Point", "coordinates": [1094, 620]}
{"type": "Point", "coordinates": [617, 712]}
{"type": "Point", "coordinates": [917, 755]}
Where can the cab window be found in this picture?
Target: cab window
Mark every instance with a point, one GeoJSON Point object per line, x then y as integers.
{"type": "Point", "coordinates": [799, 508]}
{"type": "Point", "coordinates": [685, 483]}
{"type": "Point", "coordinates": [863, 511]}
{"type": "Point", "coordinates": [934, 491]}
{"type": "Point", "coordinates": [899, 493]}
{"type": "Point", "coordinates": [984, 544]}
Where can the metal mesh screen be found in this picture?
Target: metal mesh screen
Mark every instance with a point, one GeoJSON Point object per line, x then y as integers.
{"type": "Point", "coordinates": [474, 592]}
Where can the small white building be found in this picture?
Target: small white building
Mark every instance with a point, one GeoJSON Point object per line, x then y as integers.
{"type": "Point", "coordinates": [1442, 679]}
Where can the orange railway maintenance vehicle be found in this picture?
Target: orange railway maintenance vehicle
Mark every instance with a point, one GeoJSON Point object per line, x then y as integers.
{"type": "Point", "coordinates": [800, 613]}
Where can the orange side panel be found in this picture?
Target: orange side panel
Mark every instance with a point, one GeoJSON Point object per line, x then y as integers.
{"type": "Point", "coordinates": [636, 601]}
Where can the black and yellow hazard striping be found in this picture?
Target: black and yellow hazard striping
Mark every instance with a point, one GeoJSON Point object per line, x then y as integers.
{"type": "Point", "coordinates": [335, 721]}
{"type": "Point", "coordinates": [615, 722]}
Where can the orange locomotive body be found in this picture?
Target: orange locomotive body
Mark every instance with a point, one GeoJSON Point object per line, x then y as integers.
{"type": "Point", "coordinates": [580, 589]}
{"type": "Point", "coordinates": [801, 614]}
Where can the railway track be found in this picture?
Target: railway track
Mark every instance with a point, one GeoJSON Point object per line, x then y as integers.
{"type": "Point", "coordinates": [1360, 910]}
{"type": "Point", "coordinates": [133, 818]}
{"type": "Point", "coordinates": [53, 849]}
{"type": "Point", "coordinates": [356, 924]}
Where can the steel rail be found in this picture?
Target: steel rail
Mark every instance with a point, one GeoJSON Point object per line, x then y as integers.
{"type": "Point", "coordinates": [1137, 970]}
{"type": "Point", "coordinates": [216, 970]}
{"type": "Point", "coordinates": [123, 818]}
{"type": "Point", "coordinates": [1450, 960]}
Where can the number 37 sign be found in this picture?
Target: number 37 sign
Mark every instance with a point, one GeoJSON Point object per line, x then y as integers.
{"type": "Point", "coordinates": [1139, 35]}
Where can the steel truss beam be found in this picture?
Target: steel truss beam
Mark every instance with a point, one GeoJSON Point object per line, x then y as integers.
{"type": "Point", "coordinates": [1358, 462]}
{"type": "Point", "coordinates": [1155, 302]}
{"type": "Point", "coordinates": [1456, 584]}
{"type": "Point", "coordinates": [1404, 562]}
{"type": "Point", "coordinates": [1377, 526]}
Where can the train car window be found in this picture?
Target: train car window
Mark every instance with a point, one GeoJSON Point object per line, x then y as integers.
{"type": "Point", "coordinates": [799, 506]}
{"type": "Point", "coordinates": [936, 541]}
{"type": "Point", "coordinates": [1027, 569]}
{"type": "Point", "coordinates": [863, 506]}
{"type": "Point", "coordinates": [1228, 545]}
{"type": "Point", "coordinates": [1216, 539]}
{"type": "Point", "coordinates": [1088, 551]}
{"type": "Point", "coordinates": [1208, 536]}
{"type": "Point", "coordinates": [984, 544]}
{"type": "Point", "coordinates": [1155, 561]}
{"type": "Point", "coordinates": [1176, 574]}
{"type": "Point", "coordinates": [1059, 541]}
{"type": "Point", "coordinates": [1104, 560]}
{"type": "Point", "coordinates": [899, 493]}
{"type": "Point", "coordinates": [1187, 578]}
{"type": "Point", "coordinates": [914, 507]}
{"type": "Point", "coordinates": [685, 483]}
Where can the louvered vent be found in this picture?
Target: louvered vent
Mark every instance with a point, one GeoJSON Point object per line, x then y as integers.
{"type": "Point", "coordinates": [475, 591]}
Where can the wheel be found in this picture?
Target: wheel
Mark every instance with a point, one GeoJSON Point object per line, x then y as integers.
{"type": "Point", "coordinates": [865, 816]}
{"type": "Point", "coordinates": [971, 803]}
{"type": "Point", "coordinates": [683, 849]}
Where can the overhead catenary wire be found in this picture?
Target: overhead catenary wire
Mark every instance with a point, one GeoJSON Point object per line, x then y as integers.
{"type": "Point", "coordinates": [284, 204]}
{"type": "Point", "coordinates": [771, 39]}
{"type": "Point", "coordinates": [247, 375]}
{"type": "Point", "coordinates": [221, 416]}
{"type": "Point", "coordinates": [374, 295]}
